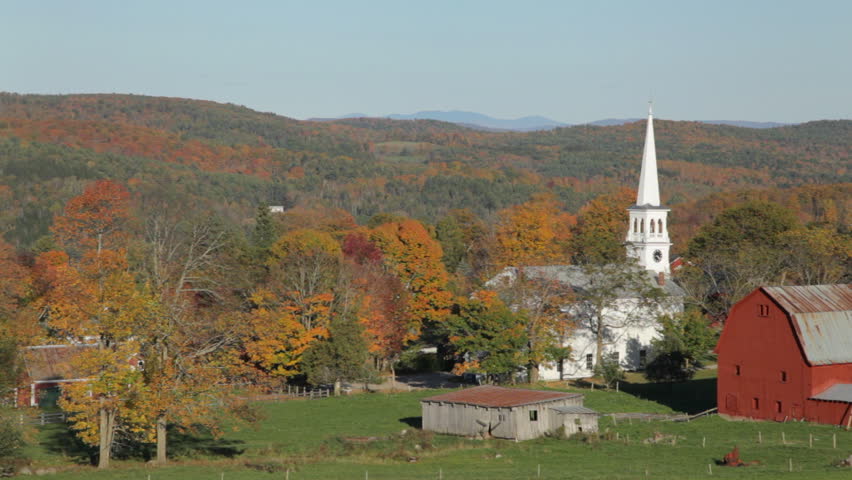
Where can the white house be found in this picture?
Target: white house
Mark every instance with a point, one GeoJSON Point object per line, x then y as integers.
{"type": "Point", "coordinates": [631, 321]}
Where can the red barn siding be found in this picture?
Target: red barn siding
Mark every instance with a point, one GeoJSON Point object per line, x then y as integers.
{"type": "Point", "coordinates": [763, 343]}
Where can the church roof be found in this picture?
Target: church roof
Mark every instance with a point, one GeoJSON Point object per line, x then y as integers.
{"type": "Point", "coordinates": [576, 277]}
{"type": "Point", "coordinates": [649, 188]}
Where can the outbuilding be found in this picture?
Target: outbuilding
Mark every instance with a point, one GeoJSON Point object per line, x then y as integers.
{"type": "Point", "coordinates": [786, 354]}
{"type": "Point", "coordinates": [47, 368]}
{"type": "Point", "coordinates": [511, 413]}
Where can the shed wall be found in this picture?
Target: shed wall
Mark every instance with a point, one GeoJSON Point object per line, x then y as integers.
{"type": "Point", "coordinates": [501, 422]}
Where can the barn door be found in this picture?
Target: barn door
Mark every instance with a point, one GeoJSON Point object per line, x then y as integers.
{"type": "Point", "coordinates": [731, 403]}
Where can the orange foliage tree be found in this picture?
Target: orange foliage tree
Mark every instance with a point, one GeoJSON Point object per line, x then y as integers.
{"type": "Point", "coordinates": [534, 233]}
{"type": "Point", "coordinates": [96, 219]}
{"type": "Point", "coordinates": [414, 257]}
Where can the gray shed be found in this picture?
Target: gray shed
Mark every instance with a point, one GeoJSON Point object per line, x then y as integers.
{"type": "Point", "coordinates": [512, 413]}
{"type": "Point", "coordinates": [575, 419]}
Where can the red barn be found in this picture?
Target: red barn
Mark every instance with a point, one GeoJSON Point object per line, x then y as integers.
{"type": "Point", "coordinates": [786, 353]}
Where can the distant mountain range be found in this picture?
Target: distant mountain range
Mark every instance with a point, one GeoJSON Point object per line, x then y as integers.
{"type": "Point", "coordinates": [479, 121]}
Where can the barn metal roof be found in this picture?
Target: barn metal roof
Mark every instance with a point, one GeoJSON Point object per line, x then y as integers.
{"type": "Point", "coordinates": [839, 392]}
{"type": "Point", "coordinates": [822, 317]}
{"type": "Point", "coordinates": [574, 409]}
{"type": "Point", "coordinates": [493, 396]}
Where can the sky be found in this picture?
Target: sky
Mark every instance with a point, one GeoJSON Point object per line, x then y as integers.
{"type": "Point", "coordinates": [572, 61]}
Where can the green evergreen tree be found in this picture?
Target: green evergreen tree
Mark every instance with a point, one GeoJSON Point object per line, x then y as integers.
{"type": "Point", "coordinates": [264, 234]}
{"type": "Point", "coordinates": [451, 236]}
{"type": "Point", "coordinates": [340, 358]}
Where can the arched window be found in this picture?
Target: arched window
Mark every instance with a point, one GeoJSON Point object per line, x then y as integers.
{"type": "Point", "coordinates": [660, 225]}
{"type": "Point", "coordinates": [652, 225]}
{"type": "Point", "coordinates": [635, 225]}
{"type": "Point", "coordinates": [642, 226]}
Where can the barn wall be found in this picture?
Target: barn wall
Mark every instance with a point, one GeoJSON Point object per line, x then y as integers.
{"type": "Point", "coordinates": [836, 413]}
{"type": "Point", "coordinates": [763, 347]}
{"type": "Point", "coordinates": [824, 376]}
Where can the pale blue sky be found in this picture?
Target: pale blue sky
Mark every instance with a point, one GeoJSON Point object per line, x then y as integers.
{"type": "Point", "coordinates": [786, 61]}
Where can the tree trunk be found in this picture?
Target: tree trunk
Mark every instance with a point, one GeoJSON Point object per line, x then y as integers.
{"type": "Point", "coordinates": [599, 343]}
{"type": "Point", "coordinates": [532, 373]}
{"type": "Point", "coordinates": [105, 433]}
{"type": "Point", "coordinates": [162, 440]}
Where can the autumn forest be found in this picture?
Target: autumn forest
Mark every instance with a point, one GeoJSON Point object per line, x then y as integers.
{"type": "Point", "coordinates": [143, 225]}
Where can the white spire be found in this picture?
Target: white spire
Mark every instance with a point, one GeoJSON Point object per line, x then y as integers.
{"type": "Point", "coordinates": [649, 189]}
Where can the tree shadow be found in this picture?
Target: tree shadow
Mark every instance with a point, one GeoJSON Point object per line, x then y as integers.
{"type": "Point", "coordinates": [414, 422]}
{"type": "Point", "coordinates": [202, 443]}
{"type": "Point", "coordinates": [61, 440]}
{"type": "Point", "coordinates": [692, 396]}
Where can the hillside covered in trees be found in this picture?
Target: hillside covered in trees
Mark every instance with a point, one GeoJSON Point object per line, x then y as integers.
{"type": "Point", "coordinates": [224, 159]}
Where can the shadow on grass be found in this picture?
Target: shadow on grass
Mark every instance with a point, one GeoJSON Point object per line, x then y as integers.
{"type": "Point", "coordinates": [202, 443]}
{"type": "Point", "coordinates": [414, 422]}
{"type": "Point", "coordinates": [61, 440]}
{"type": "Point", "coordinates": [692, 396]}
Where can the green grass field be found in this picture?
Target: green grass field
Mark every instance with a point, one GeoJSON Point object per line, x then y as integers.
{"type": "Point", "coordinates": [359, 437]}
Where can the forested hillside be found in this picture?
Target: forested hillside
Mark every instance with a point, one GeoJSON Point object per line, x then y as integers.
{"type": "Point", "coordinates": [209, 157]}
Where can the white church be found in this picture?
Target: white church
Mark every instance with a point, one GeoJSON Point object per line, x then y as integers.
{"type": "Point", "coordinates": [632, 323]}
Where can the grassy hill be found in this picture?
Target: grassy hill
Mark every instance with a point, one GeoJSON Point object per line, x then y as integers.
{"type": "Point", "coordinates": [377, 436]}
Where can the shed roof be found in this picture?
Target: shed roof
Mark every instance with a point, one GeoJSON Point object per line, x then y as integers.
{"type": "Point", "coordinates": [493, 396]}
{"type": "Point", "coordinates": [822, 318]}
{"type": "Point", "coordinates": [575, 410]}
{"type": "Point", "coordinates": [52, 362]}
{"type": "Point", "coordinates": [839, 392]}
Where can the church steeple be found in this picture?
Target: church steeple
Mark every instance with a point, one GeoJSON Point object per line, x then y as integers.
{"type": "Point", "coordinates": [648, 232]}
{"type": "Point", "coordinates": [649, 189]}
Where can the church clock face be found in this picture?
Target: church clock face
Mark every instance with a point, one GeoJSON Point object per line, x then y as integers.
{"type": "Point", "coordinates": [658, 256]}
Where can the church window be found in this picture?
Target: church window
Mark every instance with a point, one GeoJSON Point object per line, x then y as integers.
{"type": "Point", "coordinates": [635, 225]}
{"type": "Point", "coordinates": [642, 226]}
{"type": "Point", "coordinates": [660, 226]}
{"type": "Point", "coordinates": [652, 225]}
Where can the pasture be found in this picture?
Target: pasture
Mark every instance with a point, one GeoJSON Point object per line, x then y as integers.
{"type": "Point", "coordinates": [377, 436]}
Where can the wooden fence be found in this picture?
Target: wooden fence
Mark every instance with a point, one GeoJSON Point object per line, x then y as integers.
{"type": "Point", "coordinates": [42, 418]}
{"type": "Point", "coordinates": [291, 393]}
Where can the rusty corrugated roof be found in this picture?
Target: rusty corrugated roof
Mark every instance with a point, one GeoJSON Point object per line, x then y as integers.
{"type": "Point", "coordinates": [492, 396]}
{"type": "Point", "coordinates": [822, 317]}
{"type": "Point", "coordinates": [52, 362]}
{"type": "Point", "coordinates": [812, 298]}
